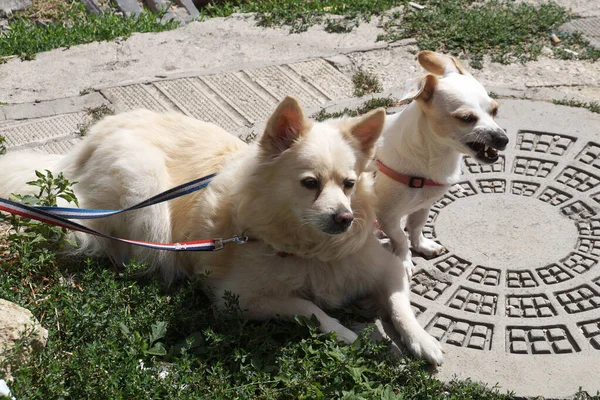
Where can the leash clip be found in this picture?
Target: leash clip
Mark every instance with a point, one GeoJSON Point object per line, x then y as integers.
{"type": "Point", "coordinates": [219, 243]}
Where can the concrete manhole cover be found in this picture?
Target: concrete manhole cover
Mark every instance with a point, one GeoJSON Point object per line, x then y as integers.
{"type": "Point", "coordinates": [516, 299]}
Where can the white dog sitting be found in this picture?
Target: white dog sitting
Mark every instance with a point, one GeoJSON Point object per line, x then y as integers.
{"type": "Point", "coordinates": [421, 149]}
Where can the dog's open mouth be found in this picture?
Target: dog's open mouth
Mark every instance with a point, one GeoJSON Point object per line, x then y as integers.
{"type": "Point", "coordinates": [484, 152]}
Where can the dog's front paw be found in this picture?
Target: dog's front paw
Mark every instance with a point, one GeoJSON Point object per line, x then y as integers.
{"type": "Point", "coordinates": [426, 347]}
{"type": "Point", "coordinates": [428, 247]}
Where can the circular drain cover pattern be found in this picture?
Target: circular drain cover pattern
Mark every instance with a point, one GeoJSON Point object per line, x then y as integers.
{"type": "Point", "coordinates": [515, 300]}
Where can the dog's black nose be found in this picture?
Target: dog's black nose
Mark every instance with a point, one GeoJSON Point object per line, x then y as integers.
{"type": "Point", "coordinates": [499, 140]}
{"type": "Point", "coordinates": [343, 219]}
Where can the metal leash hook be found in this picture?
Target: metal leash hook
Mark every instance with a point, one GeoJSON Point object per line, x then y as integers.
{"type": "Point", "coordinates": [236, 239]}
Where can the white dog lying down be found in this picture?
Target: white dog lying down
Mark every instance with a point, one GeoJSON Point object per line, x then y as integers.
{"type": "Point", "coordinates": [303, 189]}
{"type": "Point", "coordinates": [421, 149]}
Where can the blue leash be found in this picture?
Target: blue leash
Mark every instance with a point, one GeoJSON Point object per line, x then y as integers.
{"type": "Point", "coordinates": [83, 213]}
{"type": "Point", "coordinates": [60, 216]}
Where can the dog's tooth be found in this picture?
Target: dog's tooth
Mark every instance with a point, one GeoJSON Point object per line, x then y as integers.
{"type": "Point", "coordinates": [486, 148]}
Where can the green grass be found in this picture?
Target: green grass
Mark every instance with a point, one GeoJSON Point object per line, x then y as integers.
{"type": "Point", "coordinates": [26, 38]}
{"type": "Point", "coordinates": [365, 83]}
{"type": "Point", "coordinates": [113, 337]}
{"type": "Point", "coordinates": [593, 106]}
{"type": "Point", "coordinates": [299, 15]}
{"type": "Point", "coordinates": [506, 31]}
{"type": "Point", "coordinates": [367, 106]}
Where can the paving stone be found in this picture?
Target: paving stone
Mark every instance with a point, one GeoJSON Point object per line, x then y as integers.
{"type": "Point", "coordinates": [588, 27]}
{"type": "Point", "coordinates": [191, 98]}
{"type": "Point", "coordinates": [189, 7]}
{"type": "Point", "coordinates": [159, 6]}
{"type": "Point", "coordinates": [129, 7]}
{"type": "Point", "coordinates": [283, 81]}
{"type": "Point", "coordinates": [246, 100]}
{"type": "Point", "coordinates": [132, 97]}
{"type": "Point", "coordinates": [8, 6]}
{"type": "Point", "coordinates": [324, 78]}
{"type": "Point", "coordinates": [92, 6]}
{"type": "Point", "coordinates": [37, 132]}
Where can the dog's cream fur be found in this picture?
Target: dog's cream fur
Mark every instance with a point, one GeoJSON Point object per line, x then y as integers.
{"type": "Point", "coordinates": [428, 140]}
{"type": "Point", "coordinates": [265, 191]}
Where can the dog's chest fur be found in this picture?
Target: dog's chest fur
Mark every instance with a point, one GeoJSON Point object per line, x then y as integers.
{"type": "Point", "coordinates": [256, 267]}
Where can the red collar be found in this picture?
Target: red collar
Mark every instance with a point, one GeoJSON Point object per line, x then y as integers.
{"type": "Point", "coordinates": [412, 181]}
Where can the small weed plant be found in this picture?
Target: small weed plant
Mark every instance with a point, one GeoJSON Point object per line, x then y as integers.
{"type": "Point", "coordinates": [593, 106]}
{"type": "Point", "coordinates": [94, 115]}
{"type": "Point", "coordinates": [367, 106]}
{"type": "Point", "coordinates": [365, 82]}
{"type": "Point", "coordinates": [33, 244]}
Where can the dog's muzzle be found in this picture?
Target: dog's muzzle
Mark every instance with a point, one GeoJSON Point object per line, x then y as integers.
{"type": "Point", "coordinates": [486, 149]}
{"type": "Point", "coordinates": [339, 222]}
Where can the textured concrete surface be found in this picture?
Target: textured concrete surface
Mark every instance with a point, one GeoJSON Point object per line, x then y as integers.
{"type": "Point", "coordinates": [589, 27]}
{"type": "Point", "coordinates": [516, 299]}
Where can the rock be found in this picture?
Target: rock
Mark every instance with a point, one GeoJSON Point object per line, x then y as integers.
{"type": "Point", "coordinates": [546, 51]}
{"type": "Point", "coordinates": [17, 324]}
{"type": "Point", "coordinates": [8, 6]}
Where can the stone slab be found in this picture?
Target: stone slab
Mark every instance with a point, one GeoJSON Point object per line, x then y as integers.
{"type": "Point", "coordinates": [325, 78]}
{"type": "Point", "coordinates": [8, 6]}
{"type": "Point", "coordinates": [189, 7]}
{"type": "Point", "coordinates": [39, 132]}
{"type": "Point", "coordinates": [189, 95]}
{"type": "Point", "coordinates": [248, 102]}
{"type": "Point", "coordinates": [159, 6]}
{"type": "Point", "coordinates": [129, 7]}
{"type": "Point", "coordinates": [92, 7]}
{"type": "Point", "coordinates": [52, 107]}
{"type": "Point", "coordinates": [279, 82]}
{"type": "Point", "coordinates": [126, 98]}
{"type": "Point", "coordinates": [588, 27]}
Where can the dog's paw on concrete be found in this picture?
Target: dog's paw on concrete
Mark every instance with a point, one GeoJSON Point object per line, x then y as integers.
{"type": "Point", "coordinates": [426, 347]}
{"type": "Point", "coordinates": [428, 248]}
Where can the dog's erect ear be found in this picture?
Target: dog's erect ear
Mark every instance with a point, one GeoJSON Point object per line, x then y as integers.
{"type": "Point", "coordinates": [440, 64]}
{"type": "Point", "coordinates": [286, 125]}
{"type": "Point", "coordinates": [420, 88]}
{"type": "Point", "coordinates": [368, 128]}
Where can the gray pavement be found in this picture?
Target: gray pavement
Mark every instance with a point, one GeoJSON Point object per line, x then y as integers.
{"type": "Point", "coordinates": [516, 299]}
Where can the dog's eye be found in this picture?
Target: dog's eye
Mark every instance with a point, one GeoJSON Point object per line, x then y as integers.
{"type": "Point", "coordinates": [349, 183]}
{"type": "Point", "coordinates": [310, 183]}
{"type": "Point", "coordinates": [494, 112]}
{"type": "Point", "coordinates": [468, 118]}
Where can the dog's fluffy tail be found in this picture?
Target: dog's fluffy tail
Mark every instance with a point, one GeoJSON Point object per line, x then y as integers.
{"type": "Point", "coordinates": [18, 168]}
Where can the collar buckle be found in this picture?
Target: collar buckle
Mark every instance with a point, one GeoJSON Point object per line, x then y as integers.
{"type": "Point", "coordinates": [416, 182]}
